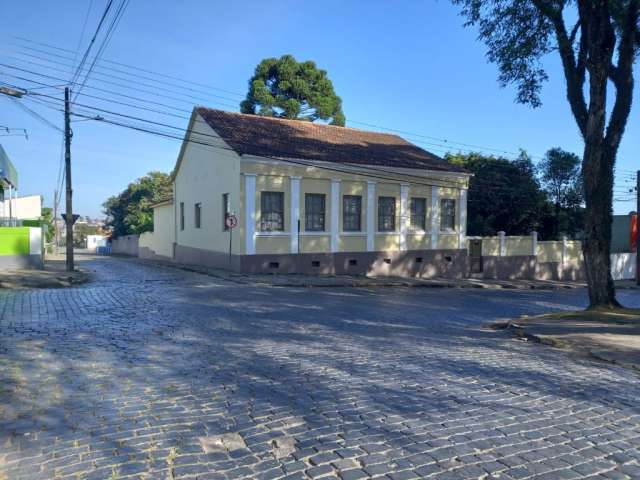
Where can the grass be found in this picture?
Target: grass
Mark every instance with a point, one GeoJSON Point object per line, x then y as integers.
{"type": "Point", "coordinates": [617, 316]}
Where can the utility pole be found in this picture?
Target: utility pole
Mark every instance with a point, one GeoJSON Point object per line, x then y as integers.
{"type": "Point", "coordinates": [638, 227]}
{"type": "Point", "coordinates": [55, 222]}
{"type": "Point", "coordinates": [69, 192]}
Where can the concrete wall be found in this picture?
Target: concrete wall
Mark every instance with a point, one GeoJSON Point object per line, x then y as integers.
{"type": "Point", "coordinates": [126, 245]}
{"type": "Point", "coordinates": [21, 247]}
{"type": "Point", "coordinates": [24, 208]}
{"type": "Point", "coordinates": [159, 243]}
{"type": "Point", "coordinates": [623, 266]}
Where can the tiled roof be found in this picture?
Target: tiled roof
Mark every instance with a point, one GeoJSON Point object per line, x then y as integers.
{"type": "Point", "coordinates": [295, 139]}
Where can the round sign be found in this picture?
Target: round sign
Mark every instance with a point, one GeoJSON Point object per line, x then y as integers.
{"type": "Point", "coordinates": [231, 221]}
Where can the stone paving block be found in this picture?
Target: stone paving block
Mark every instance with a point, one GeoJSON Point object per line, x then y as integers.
{"type": "Point", "coordinates": [158, 370]}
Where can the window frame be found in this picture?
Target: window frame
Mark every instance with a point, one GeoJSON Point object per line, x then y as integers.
{"type": "Point", "coordinates": [197, 215]}
{"type": "Point", "coordinates": [321, 214]}
{"type": "Point", "coordinates": [443, 228]}
{"type": "Point", "coordinates": [267, 225]}
{"type": "Point", "coordinates": [384, 217]}
{"type": "Point", "coordinates": [412, 214]}
{"type": "Point", "coordinates": [346, 214]}
{"type": "Point", "coordinates": [181, 215]}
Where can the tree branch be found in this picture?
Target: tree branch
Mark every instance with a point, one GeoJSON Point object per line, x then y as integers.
{"type": "Point", "coordinates": [574, 70]}
{"type": "Point", "coordinates": [622, 77]}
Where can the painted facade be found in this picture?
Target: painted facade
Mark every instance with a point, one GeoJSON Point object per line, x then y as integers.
{"type": "Point", "coordinates": [400, 220]}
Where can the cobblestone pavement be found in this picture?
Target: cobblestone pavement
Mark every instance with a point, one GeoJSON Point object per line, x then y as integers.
{"type": "Point", "coordinates": [159, 373]}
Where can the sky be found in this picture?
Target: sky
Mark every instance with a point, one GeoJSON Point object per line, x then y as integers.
{"type": "Point", "coordinates": [409, 66]}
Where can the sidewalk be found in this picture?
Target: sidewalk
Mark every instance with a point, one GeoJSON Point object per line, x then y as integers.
{"type": "Point", "coordinates": [54, 275]}
{"type": "Point", "coordinates": [310, 281]}
{"type": "Point", "coordinates": [610, 336]}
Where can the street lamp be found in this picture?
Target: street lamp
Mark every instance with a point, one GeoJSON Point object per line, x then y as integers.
{"type": "Point", "coordinates": [12, 92]}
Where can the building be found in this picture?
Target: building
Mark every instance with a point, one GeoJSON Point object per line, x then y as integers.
{"type": "Point", "coordinates": [624, 233]}
{"type": "Point", "coordinates": [20, 246]}
{"type": "Point", "coordinates": [8, 189]}
{"type": "Point", "coordinates": [310, 198]}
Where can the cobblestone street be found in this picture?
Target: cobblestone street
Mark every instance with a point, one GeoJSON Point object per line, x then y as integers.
{"type": "Point", "coordinates": [157, 373]}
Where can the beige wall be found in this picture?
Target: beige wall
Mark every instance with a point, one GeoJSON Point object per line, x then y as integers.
{"type": "Point", "coordinates": [23, 208]}
{"type": "Point", "coordinates": [273, 176]}
{"type": "Point", "coordinates": [160, 241]}
{"type": "Point", "coordinates": [204, 174]}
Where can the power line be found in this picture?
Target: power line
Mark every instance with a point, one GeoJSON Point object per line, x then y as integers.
{"type": "Point", "coordinates": [448, 144]}
{"type": "Point", "coordinates": [163, 75]}
{"type": "Point", "coordinates": [107, 38]}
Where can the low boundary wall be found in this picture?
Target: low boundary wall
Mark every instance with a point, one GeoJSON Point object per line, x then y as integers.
{"type": "Point", "coordinates": [125, 245]}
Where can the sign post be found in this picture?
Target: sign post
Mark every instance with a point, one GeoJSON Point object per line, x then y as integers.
{"type": "Point", "coordinates": [231, 222]}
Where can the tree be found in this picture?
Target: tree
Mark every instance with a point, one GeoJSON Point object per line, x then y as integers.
{"type": "Point", "coordinates": [562, 180]}
{"type": "Point", "coordinates": [80, 232]}
{"type": "Point", "coordinates": [504, 195]}
{"type": "Point", "coordinates": [130, 211]}
{"type": "Point", "coordinates": [601, 47]}
{"type": "Point", "coordinates": [284, 88]}
{"type": "Point", "coordinates": [47, 220]}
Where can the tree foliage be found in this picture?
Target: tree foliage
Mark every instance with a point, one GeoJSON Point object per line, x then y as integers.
{"type": "Point", "coordinates": [283, 87]}
{"type": "Point", "coordinates": [504, 195]}
{"type": "Point", "coordinates": [130, 211]}
{"type": "Point", "coordinates": [598, 53]}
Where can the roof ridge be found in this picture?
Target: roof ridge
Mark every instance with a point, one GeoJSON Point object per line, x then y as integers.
{"type": "Point", "coordinates": [293, 120]}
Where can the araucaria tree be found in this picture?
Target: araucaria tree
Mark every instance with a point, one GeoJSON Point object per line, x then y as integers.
{"type": "Point", "coordinates": [283, 87]}
{"type": "Point", "coordinates": [598, 53]}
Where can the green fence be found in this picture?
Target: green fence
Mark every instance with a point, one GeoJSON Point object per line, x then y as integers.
{"type": "Point", "coordinates": [14, 241]}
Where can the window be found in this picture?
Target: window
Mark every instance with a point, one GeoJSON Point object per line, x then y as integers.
{"type": "Point", "coordinates": [226, 210]}
{"type": "Point", "coordinates": [447, 215]}
{"type": "Point", "coordinates": [386, 214]}
{"type": "Point", "coordinates": [197, 214]}
{"type": "Point", "coordinates": [418, 209]}
{"type": "Point", "coordinates": [181, 215]}
{"type": "Point", "coordinates": [351, 213]}
{"type": "Point", "coordinates": [272, 211]}
{"type": "Point", "coordinates": [314, 212]}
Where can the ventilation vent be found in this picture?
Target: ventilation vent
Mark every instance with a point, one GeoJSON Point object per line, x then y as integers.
{"type": "Point", "coordinates": [315, 263]}
{"type": "Point", "coordinates": [418, 259]}
{"type": "Point", "coordinates": [353, 262]}
{"type": "Point", "coordinates": [274, 265]}
{"type": "Point", "coordinates": [448, 258]}
{"type": "Point", "coordinates": [387, 260]}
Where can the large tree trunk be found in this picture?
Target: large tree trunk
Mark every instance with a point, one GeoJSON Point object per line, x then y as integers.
{"type": "Point", "coordinates": [598, 181]}
{"type": "Point", "coordinates": [599, 155]}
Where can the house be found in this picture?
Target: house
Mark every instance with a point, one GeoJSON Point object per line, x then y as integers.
{"type": "Point", "coordinates": [309, 198]}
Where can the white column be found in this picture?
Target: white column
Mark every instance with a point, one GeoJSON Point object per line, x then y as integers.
{"type": "Point", "coordinates": [502, 246]}
{"type": "Point", "coordinates": [294, 183]}
{"type": "Point", "coordinates": [435, 216]}
{"type": "Point", "coordinates": [10, 205]}
{"type": "Point", "coordinates": [250, 213]}
{"type": "Point", "coordinates": [371, 202]}
{"type": "Point", "coordinates": [534, 243]}
{"type": "Point", "coordinates": [404, 215]}
{"type": "Point", "coordinates": [463, 218]}
{"type": "Point", "coordinates": [335, 214]}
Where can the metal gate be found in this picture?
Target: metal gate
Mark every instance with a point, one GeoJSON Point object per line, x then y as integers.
{"type": "Point", "coordinates": [475, 255]}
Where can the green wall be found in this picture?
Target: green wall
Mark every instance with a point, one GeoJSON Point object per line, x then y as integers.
{"type": "Point", "coordinates": [14, 241]}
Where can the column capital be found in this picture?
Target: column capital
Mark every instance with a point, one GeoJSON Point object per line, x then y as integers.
{"type": "Point", "coordinates": [371, 182]}
{"type": "Point", "coordinates": [250, 174]}
{"type": "Point", "coordinates": [294, 177]}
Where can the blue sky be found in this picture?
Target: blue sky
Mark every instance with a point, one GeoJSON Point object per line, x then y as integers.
{"type": "Point", "coordinates": [408, 66]}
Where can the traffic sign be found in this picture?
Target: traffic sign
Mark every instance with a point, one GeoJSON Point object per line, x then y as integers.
{"type": "Point", "coordinates": [73, 219]}
{"type": "Point", "coordinates": [231, 221]}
